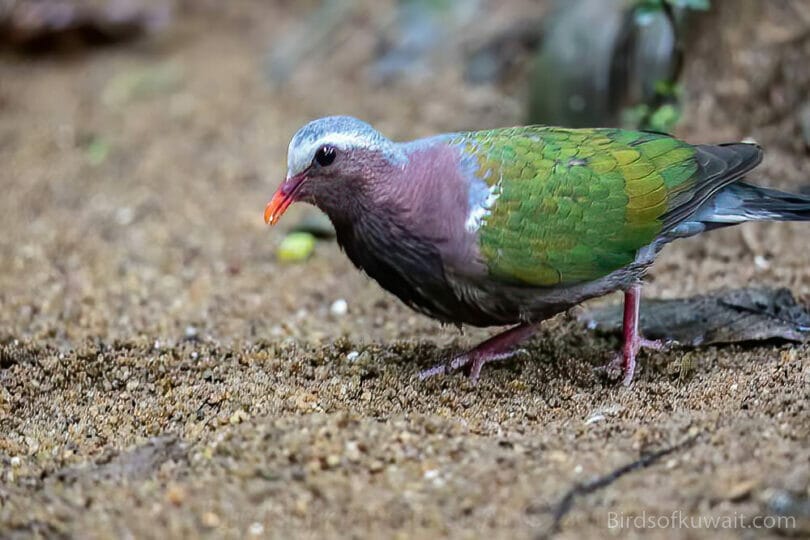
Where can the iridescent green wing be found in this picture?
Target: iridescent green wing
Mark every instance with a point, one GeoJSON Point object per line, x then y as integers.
{"type": "Point", "coordinates": [574, 205]}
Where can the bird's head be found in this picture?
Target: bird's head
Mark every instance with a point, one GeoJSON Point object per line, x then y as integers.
{"type": "Point", "coordinates": [330, 162]}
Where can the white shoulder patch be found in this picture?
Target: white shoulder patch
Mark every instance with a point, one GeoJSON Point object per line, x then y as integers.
{"type": "Point", "coordinates": [480, 205]}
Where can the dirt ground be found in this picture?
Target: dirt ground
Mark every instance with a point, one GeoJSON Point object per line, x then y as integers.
{"type": "Point", "coordinates": [161, 375]}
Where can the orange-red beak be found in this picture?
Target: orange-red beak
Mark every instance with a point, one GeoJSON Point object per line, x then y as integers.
{"type": "Point", "coordinates": [283, 198]}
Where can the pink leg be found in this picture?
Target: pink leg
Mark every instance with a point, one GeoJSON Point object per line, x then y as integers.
{"type": "Point", "coordinates": [632, 340]}
{"type": "Point", "coordinates": [498, 347]}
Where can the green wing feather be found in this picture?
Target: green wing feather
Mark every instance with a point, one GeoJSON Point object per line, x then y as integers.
{"type": "Point", "coordinates": [573, 205]}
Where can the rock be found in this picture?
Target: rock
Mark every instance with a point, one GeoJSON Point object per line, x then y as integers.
{"type": "Point", "coordinates": [599, 58]}
{"type": "Point", "coordinates": [738, 315]}
{"type": "Point", "coordinates": [40, 26]}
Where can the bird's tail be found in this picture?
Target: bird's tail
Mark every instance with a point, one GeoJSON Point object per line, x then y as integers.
{"type": "Point", "coordinates": [740, 202]}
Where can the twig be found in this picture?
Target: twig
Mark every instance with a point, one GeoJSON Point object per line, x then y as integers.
{"type": "Point", "coordinates": [764, 311]}
{"type": "Point", "coordinates": [561, 509]}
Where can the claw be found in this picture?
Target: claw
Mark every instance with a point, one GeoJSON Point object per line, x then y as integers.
{"type": "Point", "coordinates": [499, 347]}
{"type": "Point", "coordinates": [624, 363]}
{"type": "Point", "coordinates": [615, 368]}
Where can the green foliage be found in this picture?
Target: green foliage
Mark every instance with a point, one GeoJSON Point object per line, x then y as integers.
{"type": "Point", "coordinates": [652, 6]}
{"type": "Point", "coordinates": [663, 111]}
{"type": "Point", "coordinates": [701, 5]}
{"type": "Point", "coordinates": [432, 5]}
{"type": "Point", "coordinates": [662, 117]}
{"type": "Point", "coordinates": [97, 151]}
{"type": "Point", "coordinates": [668, 89]}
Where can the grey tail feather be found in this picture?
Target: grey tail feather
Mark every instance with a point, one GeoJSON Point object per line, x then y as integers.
{"type": "Point", "coordinates": [740, 202]}
{"type": "Point", "coordinates": [719, 166]}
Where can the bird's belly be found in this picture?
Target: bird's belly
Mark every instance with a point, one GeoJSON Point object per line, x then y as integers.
{"type": "Point", "coordinates": [417, 274]}
{"type": "Point", "coordinates": [458, 300]}
{"type": "Point", "coordinates": [492, 303]}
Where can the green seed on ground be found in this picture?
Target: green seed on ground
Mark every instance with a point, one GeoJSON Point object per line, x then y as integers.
{"type": "Point", "coordinates": [295, 247]}
{"type": "Point", "coordinates": [97, 151]}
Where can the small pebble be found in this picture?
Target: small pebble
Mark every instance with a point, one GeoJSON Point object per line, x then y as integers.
{"type": "Point", "coordinates": [175, 494]}
{"type": "Point", "coordinates": [339, 307]}
{"type": "Point", "coordinates": [741, 490]}
{"type": "Point", "coordinates": [301, 507]}
{"type": "Point", "coordinates": [210, 520]}
{"type": "Point", "coordinates": [597, 417]}
{"type": "Point", "coordinates": [352, 356]}
{"type": "Point", "coordinates": [238, 417]}
{"type": "Point", "coordinates": [124, 216]}
{"type": "Point", "coordinates": [353, 451]}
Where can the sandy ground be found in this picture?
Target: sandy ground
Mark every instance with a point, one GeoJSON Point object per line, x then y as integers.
{"type": "Point", "coordinates": [161, 375]}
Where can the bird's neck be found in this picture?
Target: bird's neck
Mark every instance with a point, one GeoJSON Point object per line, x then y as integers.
{"type": "Point", "coordinates": [427, 194]}
{"type": "Point", "coordinates": [412, 218]}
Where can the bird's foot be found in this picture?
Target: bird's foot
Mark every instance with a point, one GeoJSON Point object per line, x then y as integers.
{"type": "Point", "coordinates": [499, 347]}
{"type": "Point", "coordinates": [623, 364]}
{"type": "Point", "coordinates": [472, 361]}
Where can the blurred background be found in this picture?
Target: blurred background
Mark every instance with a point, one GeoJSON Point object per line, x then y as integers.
{"type": "Point", "coordinates": [139, 139]}
{"type": "Point", "coordinates": [172, 367]}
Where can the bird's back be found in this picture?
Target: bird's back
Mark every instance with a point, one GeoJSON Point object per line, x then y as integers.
{"type": "Point", "coordinates": [568, 206]}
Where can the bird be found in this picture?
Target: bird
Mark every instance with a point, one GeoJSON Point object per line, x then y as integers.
{"type": "Point", "coordinates": [511, 226]}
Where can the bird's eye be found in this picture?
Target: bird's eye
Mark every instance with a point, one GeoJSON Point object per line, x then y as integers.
{"type": "Point", "coordinates": [325, 155]}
